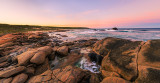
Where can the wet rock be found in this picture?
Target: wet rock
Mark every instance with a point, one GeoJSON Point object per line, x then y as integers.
{"type": "Point", "coordinates": [6, 80]}
{"type": "Point", "coordinates": [70, 60]}
{"type": "Point", "coordinates": [122, 60]}
{"type": "Point", "coordinates": [148, 75]}
{"type": "Point", "coordinates": [11, 71]}
{"type": "Point", "coordinates": [25, 57]}
{"type": "Point", "coordinates": [149, 54]}
{"type": "Point", "coordinates": [115, 28]}
{"type": "Point", "coordinates": [63, 51]}
{"type": "Point", "coordinates": [114, 80]}
{"type": "Point", "coordinates": [96, 58]}
{"type": "Point", "coordinates": [21, 78]}
{"type": "Point", "coordinates": [109, 74]}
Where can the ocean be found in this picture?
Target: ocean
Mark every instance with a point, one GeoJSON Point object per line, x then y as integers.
{"type": "Point", "coordinates": [134, 34]}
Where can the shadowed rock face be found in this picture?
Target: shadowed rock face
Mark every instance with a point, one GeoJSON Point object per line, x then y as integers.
{"type": "Point", "coordinates": [104, 46]}
{"type": "Point", "coordinates": [148, 75]}
{"type": "Point", "coordinates": [121, 56]}
{"type": "Point", "coordinates": [149, 54]}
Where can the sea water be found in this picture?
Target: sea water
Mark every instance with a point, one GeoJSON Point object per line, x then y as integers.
{"type": "Point", "coordinates": [134, 34]}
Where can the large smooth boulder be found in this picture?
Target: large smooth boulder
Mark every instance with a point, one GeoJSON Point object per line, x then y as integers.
{"type": "Point", "coordinates": [24, 58]}
{"type": "Point", "coordinates": [63, 51]}
{"type": "Point", "coordinates": [104, 46]}
{"type": "Point", "coordinates": [21, 78]}
{"type": "Point", "coordinates": [121, 56]}
{"type": "Point", "coordinates": [11, 71]}
{"type": "Point", "coordinates": [47, 49]}
{"type": "Point", "coordinates": [114, 80]}
{"type": "Point", "coordinates": [148, 75]}
{"type": "Point", "coordinates": [38, 58]}
{"type": "Point", "coordinates": [149, 54]}
{"type": "Point", "coordinates": [41, 54]}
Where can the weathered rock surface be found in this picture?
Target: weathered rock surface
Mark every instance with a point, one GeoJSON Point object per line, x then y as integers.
{"type": "Point", "coordinates": [114, 80]}
{"type": "Point", "coordinates": [69, 74]}
{"type": "Point", "coordinates": [11, 71]}
{"type": "Point", "coordinates": [104, 46]}
{"type": "Point", "coordinates": [6, 80]}
{"type": "Point", "coordinates": [30, 70]}
{"type": "Point", "coordinates": [148, 75]}
{"type": "Point", "coordinates": [149, 54]}
{"type": "Point", "coordinates": [109, 74]}
{"type": "Point", "coordinates": [7, 38]}
{"type": "Point", "coordinates": [121, 56]}
{"type": "Point", "coordinates": [21, 78]}
{"type": "Point", "coordinates": [42, 68]}
{"type": "Point", "coordinates": [124, 61]}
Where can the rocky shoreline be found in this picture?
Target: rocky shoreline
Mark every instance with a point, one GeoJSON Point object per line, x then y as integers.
{"type": "Point", "coordinates": [36, 57]}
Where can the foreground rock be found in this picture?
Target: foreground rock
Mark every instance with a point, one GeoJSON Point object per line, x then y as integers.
{"type": "Point", "coordinates": [149, 54]}
{"type": "Point", "coordinates": [30, 58]}
{"type": "Point", "coordinates": [6, 80]}
{"type": "Point", "coordinates": [69, 74]}
{"type": "Point", "coordinates": [114, 80]}
{"type": "Point", "coordinates": [35, 56]}
{"type": "Point", "coordinates": [21, 78]}
{"type": "Point", "coordinates": [41, 55]}
{"type": "Point", "coordinates": [121, 56]}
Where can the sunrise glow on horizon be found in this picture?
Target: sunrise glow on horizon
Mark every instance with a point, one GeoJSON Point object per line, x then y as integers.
{"type": "Point", "coordinates": [82, 13]}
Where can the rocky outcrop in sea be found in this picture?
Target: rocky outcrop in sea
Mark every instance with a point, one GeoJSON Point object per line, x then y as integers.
{"type": "Point", "coordinates": [37, 57]}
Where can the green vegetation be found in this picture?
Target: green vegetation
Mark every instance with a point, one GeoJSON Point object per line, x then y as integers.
{"type": "Point", "coordinates": [6, 28]}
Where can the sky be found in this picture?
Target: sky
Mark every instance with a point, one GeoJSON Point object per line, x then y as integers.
{"type": "Point", "coordinates": [82, 13]}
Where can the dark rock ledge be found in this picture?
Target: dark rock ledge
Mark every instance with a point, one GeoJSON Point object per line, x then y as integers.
{"type": "Point", "coordinates": [33, 58]}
